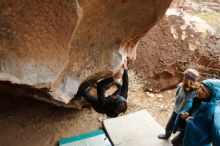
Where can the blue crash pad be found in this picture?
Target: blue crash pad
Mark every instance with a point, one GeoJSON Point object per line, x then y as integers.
{"type": "Point", "coordinates": [96, 138]}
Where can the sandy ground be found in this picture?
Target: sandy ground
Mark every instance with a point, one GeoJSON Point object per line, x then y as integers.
{"type": "Point", "coordinates": [27, 122]}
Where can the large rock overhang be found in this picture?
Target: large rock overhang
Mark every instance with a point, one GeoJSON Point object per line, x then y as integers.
{"type": "Point", "coordinates": [48, 48]}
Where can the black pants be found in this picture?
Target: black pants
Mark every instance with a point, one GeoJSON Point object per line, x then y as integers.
{"type": "Point", "coordinates": [170, 124]}
{"type": "Point", "coordinates": [93, 100]}
{"type": "Point", "coordinates": [178, 140]}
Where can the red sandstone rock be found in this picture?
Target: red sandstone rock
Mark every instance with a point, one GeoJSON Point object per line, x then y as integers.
{"type": "Point", "coordinates": [177, 42]}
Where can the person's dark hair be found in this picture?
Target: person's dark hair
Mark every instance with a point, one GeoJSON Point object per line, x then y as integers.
{"type": "Point", "coordinates": [206, 88]}
{"type": "Point", "coordinates": [122, 107]}
{"type": "Point", "coordinates": [121, 104]}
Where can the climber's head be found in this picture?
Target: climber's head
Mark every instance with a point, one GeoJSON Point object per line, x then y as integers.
{"type": "Point", "coordinates": [121, 104]}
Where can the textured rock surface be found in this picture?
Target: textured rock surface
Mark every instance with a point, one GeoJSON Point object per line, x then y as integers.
{"type": "Point", "coordinates": [177, 42]}
{"type": "Point", "coordinates": [47, 48]}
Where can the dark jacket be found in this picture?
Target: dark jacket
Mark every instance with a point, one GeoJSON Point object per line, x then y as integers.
{"type": "Point", "coordinates": [106, 104]}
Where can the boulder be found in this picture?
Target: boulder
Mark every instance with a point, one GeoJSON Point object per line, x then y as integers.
{"type": "Point", "coordinates": [49, 47]}
{"type": "Point", "coordinates": [177, 42]}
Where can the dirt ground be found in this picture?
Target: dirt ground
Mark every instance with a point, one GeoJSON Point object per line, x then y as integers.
{"type": "Point", "coordinates": [27, 122]}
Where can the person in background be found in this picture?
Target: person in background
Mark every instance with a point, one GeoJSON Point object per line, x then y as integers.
{"type": "Point", "coordinates": [184, 94]}
{"type": "Point", "coordinates": [202, 119]}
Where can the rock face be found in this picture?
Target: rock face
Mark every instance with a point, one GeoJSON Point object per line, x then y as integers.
{"type": "Point", "coordinates": [48, 48]}
{"type": "Point", "coordinates": [177, 42]}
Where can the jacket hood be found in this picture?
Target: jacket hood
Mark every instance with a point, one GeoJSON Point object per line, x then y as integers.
{"type": "Point", "coordinates": [214, 88]}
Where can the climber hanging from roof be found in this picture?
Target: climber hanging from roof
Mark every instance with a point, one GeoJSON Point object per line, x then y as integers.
{"type": "Point", "coordinates": [114, 104]}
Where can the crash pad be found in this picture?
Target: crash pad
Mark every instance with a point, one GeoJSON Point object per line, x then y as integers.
{"type": "Point", "coordinates": [135, 129]}
{"type": "Point", "coordinates": [96, 138]}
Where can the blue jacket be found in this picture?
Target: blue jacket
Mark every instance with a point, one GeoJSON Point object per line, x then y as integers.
{"type": "Point", "coordinates": [204, 128]}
